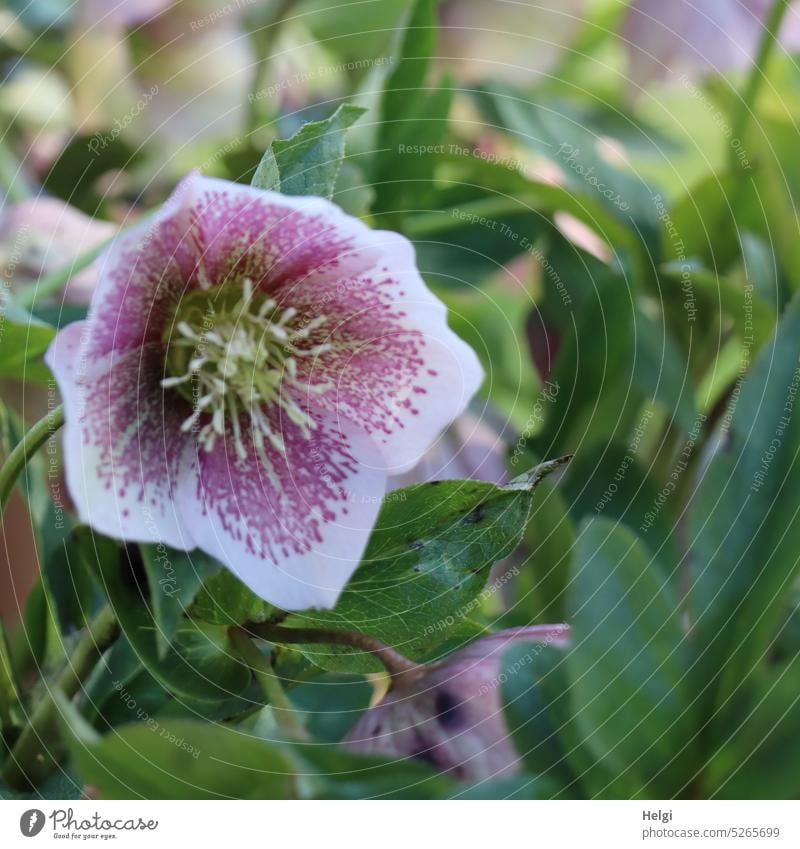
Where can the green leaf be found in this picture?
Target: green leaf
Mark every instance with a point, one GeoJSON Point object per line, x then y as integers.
{"type": "Point", "coordinates": [760, 757]}
{"type": "Point", "coordinates": [174, 578]}
{"type": "Point", "coordinates": [308, 163]}
{"type": "Point", "coordinates": [535, 703]}
{"type": "Point", "coordinates": [199, 663]}
{"type": "Point", "coordinates": [411, 113]}
{"type": "Point", "coordinates": [594, 372]}
{"type": "Point", "coordinates": [23, 341]}
{"type": "Point", "coordinates": [224, 600]}
{"type": "Point", "coordinates": [744, 521]}
{"type": "Point", "coordinates": [426, 564]}
{"type": "Point", "coordinates": [628, 664]}
{"type": "Point", "coordinates": [662, 372]}
{"type": "Point", "coordinates": [178, 759]}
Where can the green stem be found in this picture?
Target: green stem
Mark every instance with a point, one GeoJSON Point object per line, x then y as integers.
{"type": "Point", "coordinates": [263, 39]}
{"type": "Point", "coordinates": [746, 106]}
{"type": "Point", "coordinates": [269, 682]}
{"type": "Point", "coordinates": [37, 749]}
{"type": "Point", "coordinates": [54, 282]}
{"type": "Point", "coordinates": [30, 443]}
{"type": "Point", "coordinates": [395, 663]}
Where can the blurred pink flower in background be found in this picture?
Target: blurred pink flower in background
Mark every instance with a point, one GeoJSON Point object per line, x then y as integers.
{"type": "Point", "coordinates": [43, 234]}
{"type": "Point", "coordinates": [666, 38]}
{"type": "Point", "coordinates": [450, 713]}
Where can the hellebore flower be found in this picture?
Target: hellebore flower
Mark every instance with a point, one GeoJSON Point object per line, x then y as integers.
{"type": "Point", "coordinates": [689, 36]}
{"type": "Point", "coordinates": [450, 713]}
{"type": "Point", "coordinates": [251, 369]}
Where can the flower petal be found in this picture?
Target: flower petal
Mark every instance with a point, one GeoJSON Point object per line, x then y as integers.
{"type": "Point", "coordinates": [398, 369]}
{"type": "Point", "coordinates": [294, 529]}
{"type": "Point", "coordinates": [123, 445]}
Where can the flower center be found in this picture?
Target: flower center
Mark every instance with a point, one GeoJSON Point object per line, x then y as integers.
{"type": "Point", "coordinates": [232, 352]}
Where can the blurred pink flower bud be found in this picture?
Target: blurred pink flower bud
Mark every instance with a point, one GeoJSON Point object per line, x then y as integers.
{"type": "Point", "coordinates": [450, 713]}
{"type": "Point", "coordinates": [39, 235]}
{"type": "Point", "coordinates": [665, 39]}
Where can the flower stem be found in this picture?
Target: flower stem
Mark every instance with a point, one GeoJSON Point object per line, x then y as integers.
{"type": "Point", "coordinates": [746, 105]}
{"type": "Point", "coordinates": [269, 682]}
{"type": "Point", "coordinates": [37, 748]}
{"type": "Point", "coordinates": [395, 663]}
{"type": "Point", "coordinates": [30, 443]}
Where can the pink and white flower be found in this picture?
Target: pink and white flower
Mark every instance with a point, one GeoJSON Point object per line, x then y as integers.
{"type": "Point", "coordinates": [450, 713]}
{"type": "Point", "coordinates": [252, 369]}
{"type": "Point", "coordinates": [665, 40]}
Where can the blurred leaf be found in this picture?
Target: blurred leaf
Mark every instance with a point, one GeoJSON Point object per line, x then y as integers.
{"type": "Point", "coordinates": [200, 663]}
{"type": "Point", "coordinates": [594, 372]}
{"type": "Point", "coordinates": [180, 759]}
{"type": "Point", "coordinates": [309, 162]}
{"type": "Point", "coordinates": [425, 565]}
{"type": "Point", "coordinates": [535, 704]}
{"type": "Point", "coordinates": [560, 130]}
{"type": "Point", "coordinates": [661, 371]}
{"type": "Point", "coordinates": [410, 113]}
{"type": "Point", "coordinates": [23, 341]}
{"type": "Point", "coordinates": [610, 480]}
{"type": "Point", "coordinates": [744, 523]}
{"type": "Point", "coordinates": [332, 704]}
{"type": "Point", "coordinates": [760, 757]}
{"type": "Point", "coordinates": [540, 588]}
{"type": "Point", "coordinates": [628, 664]}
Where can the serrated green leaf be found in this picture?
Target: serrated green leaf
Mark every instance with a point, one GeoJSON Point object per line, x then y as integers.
{"type": "Point", "coordinates": [308, 163]}
{"type": "Point", "coordinates": [425, 567]}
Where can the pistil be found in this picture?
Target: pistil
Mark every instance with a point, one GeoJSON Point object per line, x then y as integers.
{"type": "Point", "coordinates": [237, 357]}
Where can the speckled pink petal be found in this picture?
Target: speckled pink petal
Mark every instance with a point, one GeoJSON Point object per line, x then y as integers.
{"type": "Point", "coordinates": [123, 446]}
{"type": "Point", "coordinates": [294, 529]}
{"type": "Point", "coordinates": [397, 368]}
